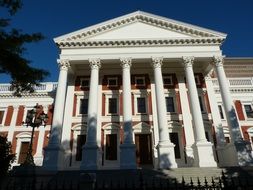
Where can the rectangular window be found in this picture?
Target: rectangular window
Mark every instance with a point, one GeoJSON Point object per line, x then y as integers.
{"type": "Point", "coordinates": [227, 139]}
{"type": "Point", "coordinates": [83, 106]}
{"type": "Point", "coordinates": [1, 116]}
{"type": "Point", "coordinates": [197, 81]}
{"type": "Point", "coordinates": [80, 141]}
{"type": "Point", "coordinates": [112, 82]}
{"type": "Point", "coordinates": [23, 152]}
{"type": "Point", "coordinates": [112, 106]}
{"type": "Point", "coordinates": [174, 139]}
{"type": "Point", "coordinates": [85, 82]}
{"type": "Point", "coordinates": [140, 81]}
{"type": "Point", "coordinates": [201, 104]}
{"type": "Point", "coordinates": [170, 104]}
{"type": "Point", "coordinates": [141, 105]}
{"type": "Point", "coordinates": [207, 136]}
{"type": "Point", "coordinates": [221, 112]}
{"type": "Point", "coordinates": [167, 80]}
{"type": "Point", "coordinates": [111, 147]}
{"type": "Point", "coordinates": [249, 111]}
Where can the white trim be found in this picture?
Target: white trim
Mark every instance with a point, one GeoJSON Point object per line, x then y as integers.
{"type": "Point", "coordinates": [112, 78]}
{"type": "Point", "coordinates": [138, 78]}
{"type": "Point", "coordinates": [140, 94]}
{"type": "Point", "coordinates": [21, 137]}
{"type": "Point", "coordinates": [173, 95]}
{"type": "Point", "coordinates": [244, 111]}
{"type": "Point", "coordinates": [78, 103]}
{"type": "Point", "coordinates": [5, 109]}
{"type": "Point", "coordinates": [111, 95]}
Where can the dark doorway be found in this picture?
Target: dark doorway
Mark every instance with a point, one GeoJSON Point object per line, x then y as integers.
{"type": "Point", "coordinates": [143, 144]}
{"type": "Point", "coordinates": [23, 152]}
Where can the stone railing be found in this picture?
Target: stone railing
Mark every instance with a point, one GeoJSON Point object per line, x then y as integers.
{"type": "Point", "coordinates": [44, 87]}
{"type": "Point", "coordinates": [236, 84]}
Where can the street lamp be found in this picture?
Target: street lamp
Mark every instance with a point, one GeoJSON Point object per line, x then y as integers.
{"type": "Point", "coordinates": [34, 119]}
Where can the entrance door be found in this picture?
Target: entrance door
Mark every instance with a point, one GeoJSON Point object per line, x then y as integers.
{"type": "Point", "coordinates": [23, 152]}
{"type": "Point", "coordinates": [143, 149]}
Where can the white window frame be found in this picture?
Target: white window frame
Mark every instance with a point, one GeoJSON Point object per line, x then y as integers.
{"type": "Point", "coordinates": [168, 77]}
{"type": "Point", "coordinates": [140, 95]}
{"type": "Point", "coordinates": [107, 96]}
{"type": "Point", "coordinates": [137, 78]}
{"type": "Point", "coordinates": [78, 102]}
{"type": "Point", "coordinates": [77, 130]}
{"type": "Point", "coordinates": [223, 111]}
{"type": "Point", "coordinates": [22, 137]}
{"type": "Point", "coordinates": [169, 94]}
{"type": "Point", "coordinates": [112, 78]}
{"type": "Point", "coordinates": [201, 96]}
{"type": "Point", "coordinates": [244, 111]}
{"type": "Point", "coordinates": [26, 109]}
{"type": "Point", "coordinates": [82, 79]}
{"type": "Point", "coordinates": [4, 116]}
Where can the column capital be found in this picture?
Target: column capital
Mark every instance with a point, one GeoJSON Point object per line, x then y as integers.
{"type": "Point", "coordinates": [95, 63]}
{"type": "Point", "coordinates": [126, 62]}
{"type": "Point", "coordinates": [218, 61]}
{"type": "Point", "coordinates": [157, 62]}
{"type": "Point", "coordinates": [188, 61]}
{"type": "Point", "coordinates": [63, 64]}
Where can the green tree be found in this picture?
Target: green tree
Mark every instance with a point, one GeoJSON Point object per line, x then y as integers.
{"type": "Point", "coordinates": [12, 60]}
{"type": "Point", "coordinates": [6, 156]}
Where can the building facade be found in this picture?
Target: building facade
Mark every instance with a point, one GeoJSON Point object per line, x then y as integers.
{"type": "Point", "coordinates": [139, 90]}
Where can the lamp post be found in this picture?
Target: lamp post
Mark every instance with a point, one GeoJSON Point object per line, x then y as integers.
{"type": "Point", "coordinates": [34, 119]}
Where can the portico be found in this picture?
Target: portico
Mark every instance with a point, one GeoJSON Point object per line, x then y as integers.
{"type": "Point", "coordinates": [148, 46]}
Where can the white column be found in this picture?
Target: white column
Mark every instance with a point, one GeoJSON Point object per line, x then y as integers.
{"type": "Point", "coordinates": [238, 148]}
{"type": "Point", "coordinates": [203, 152]}
{"type": "Point", "coordinates": [166, 155]}
{"type": "Point", "coordinates": [127, 149]}
{"type": "Point", "coordinates": [13, 123]}
{"type": "Point", "coordinates": [38, 157]}
{"type": "Point", "coordinates": [54, 146]}
{"type": "Point", "coordinates": [220, 138]}
{"type": "Point", "coordinates": [67, 123]}
{"type": "Point", "coordinates": [90, 149]}
{"type": "Point", "coordinates": [187, 120]}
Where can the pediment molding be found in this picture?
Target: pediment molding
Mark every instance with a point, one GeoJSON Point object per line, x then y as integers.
{"type": "Point", "coordinates": [197, 35]}
{"type": "Point", "coordinates": [141, 43]}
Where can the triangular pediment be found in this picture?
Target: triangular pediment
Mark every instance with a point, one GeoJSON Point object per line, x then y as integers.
{"type": "Point", "coordinates": [138, 26]}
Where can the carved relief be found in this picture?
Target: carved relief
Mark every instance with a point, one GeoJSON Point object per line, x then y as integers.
{"type": "Point", "coordinates": [218, 61]}
{"type": "Point", "coordinates": [126, 62]}
{"type": "Point", "coordinates": [188, 61]}
{"type": "Point", "coordinates": [95, 63]}
{"type": "Point", "coordinates": [63, 64]}
{"type": "Point", "coordinates": [157, 62]}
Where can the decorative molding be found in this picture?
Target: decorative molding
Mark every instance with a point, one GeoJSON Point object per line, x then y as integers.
{"type": "Point", "coordinates": [218, 61]}
{"type": "Point", "coordinates": [95, 63]}
{"type": "Point", "coordinates": [157, 62]}
{"type": "Point", "coordinates": [140, 43]}
{"type": "Point", "coordinates": [126, 62]}
{"type": "Point", "coordinates": [63, 64]}
{"type": "Point", "coordinates": [188, 61]}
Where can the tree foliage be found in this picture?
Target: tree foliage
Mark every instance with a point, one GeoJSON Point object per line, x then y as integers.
{"type": "Point", "coordinates": [12, 60]}
{"type": "Point", "coordinates": [6, 156]}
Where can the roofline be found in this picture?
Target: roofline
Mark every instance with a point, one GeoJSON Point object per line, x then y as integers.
{"type": "Point", "coordinates": [140, 13]}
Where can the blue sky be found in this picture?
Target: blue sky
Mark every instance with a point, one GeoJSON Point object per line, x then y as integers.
{"type": "Point", "coordinates": [57, 17]}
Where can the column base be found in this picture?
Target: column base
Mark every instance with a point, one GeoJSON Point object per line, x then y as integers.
{"type": "Point", "coordinates": [89, 157]}
{"type": "Point", "coordinates": [51, 158]}
{"type": "Point", "coordinates": [38, 159]}
{"type": "Point", "coordinates": [189, 156]}
{"type": "Point", "coordinates": [238, 154]}
{"type": "Point", "coordinates": [166, 155]}
{"type": "Point", "coordinates": [127, 156]}
{"type": "Point", "coordinates": [203, 154]}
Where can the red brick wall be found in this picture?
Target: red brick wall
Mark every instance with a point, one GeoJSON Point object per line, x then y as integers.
{"type": "Point", "coordinates": [238, 107]}
{"type": "Point", "coordinates": [245, 133]}
{"type": "Point", "coordinates": [8, 116]}
{"type": "Point", "coordinates": [74, 105]}
{"type": "Point", "coordinates": [20, 115]}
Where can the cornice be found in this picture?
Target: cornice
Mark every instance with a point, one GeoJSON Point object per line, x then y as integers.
{"type": "Point", "coordinates": [28, 95]}
{"type": "Point", "coordinates": [140, 42]}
